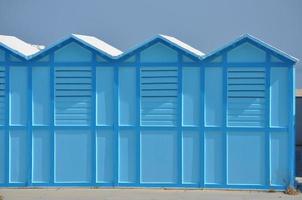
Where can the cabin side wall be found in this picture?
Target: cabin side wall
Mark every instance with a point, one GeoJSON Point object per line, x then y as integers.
{"type": "Point", "coordinates": [158, 118]}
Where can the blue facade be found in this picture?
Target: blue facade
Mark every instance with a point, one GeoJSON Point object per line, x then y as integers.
{"type": "Point", "coordinates": [157, 116]}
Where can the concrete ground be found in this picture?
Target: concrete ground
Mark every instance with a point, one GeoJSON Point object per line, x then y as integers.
{"type": "Point", "coordinates": [138, 194]}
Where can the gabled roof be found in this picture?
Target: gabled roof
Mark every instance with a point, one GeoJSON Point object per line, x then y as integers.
{"type": "Point", "coordinates": [182, 45]}
{"type": "Point", "coordinates": [89, 41]}
{"type": "Point", "coordinates": [29, 51]}
{"type": "Point", "coordinates": [172, 41]}
{"type": "Point", "coordinates": [247, 37]}
{"type": "Point", "coordinates": [18, 46]}
{"type": "Point", "coordinates": [98, 45]}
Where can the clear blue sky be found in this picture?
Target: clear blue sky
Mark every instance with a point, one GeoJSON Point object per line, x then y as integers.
{"type": "Point", "coordinates": [204, 24]}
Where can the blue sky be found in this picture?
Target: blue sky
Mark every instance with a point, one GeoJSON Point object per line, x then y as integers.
{"type": "Point", "coordinates": [204, 24]}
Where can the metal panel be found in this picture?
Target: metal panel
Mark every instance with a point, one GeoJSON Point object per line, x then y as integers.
{"type": "Point", "coordinates": [114, 146]}
{"type": "Point", "coordinates": [41, 95]}
{"type": "Point", "coordinates": [41, 156]}
{"type": "Point", "coordinates": [246, 158]}
{"type": "Point", "coordinates": [191, 96]}
{"type": "Point", "coordinates": [159, 92]}
{"type": "Point", "coordinates": [73, 93]}
{"type": "Point", "coordinates": [279, 96]}
{"type": "Point", "coordinates": [246, 97]}
{"type": "Point", "coordinates": [18, 96]}
{"type": "Point", "coordinates": [72, 156]}
{"type": "Point", "coordinates": [213, 96]}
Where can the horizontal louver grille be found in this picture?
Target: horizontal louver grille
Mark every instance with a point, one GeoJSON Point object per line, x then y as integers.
{"type": "Point", "coordinates": [158, 91]}
{"type": "Point", "coordinates": [246, 96]}
{"type": "Point", "coordinates": [73, 95]}
{"type": "Point", "coordinates": [2, 95]}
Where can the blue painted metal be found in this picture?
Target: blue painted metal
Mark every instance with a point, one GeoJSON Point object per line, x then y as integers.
{"type": "Point", "coordinates": [166, 152]}
{"type": "Point", "coordinates": [138, 119]}
{"type": "Point", "coordinates": [93, 122]}
{"type": "Point", "coordinates": [267, 120]}
{"type": "Point", "coordinates": [291, 126]}
{"type": "Point", "coordinates": [201, 129]}
{"type": "Point", "coordinates": [225, 117]}
{"type": "Point", "coordinates": [29, 124]}
{"type": "Point", "coordinates": [52, 120]}
{"type": "Point", "coordinates": [7, 89]}
{"type": "Point", "coordinates": [179, 121]}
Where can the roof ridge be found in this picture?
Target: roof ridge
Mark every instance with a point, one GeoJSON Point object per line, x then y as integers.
{"type": "Point", "coordinates": [18, 46]}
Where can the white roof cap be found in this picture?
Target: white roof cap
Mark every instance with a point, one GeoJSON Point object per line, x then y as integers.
{"type": "Point", "coordinates": [182, 45]}
{"type": "Point", "coordinates": [98, 44]}
{"type": "Point", "coordinates": [18, 46]}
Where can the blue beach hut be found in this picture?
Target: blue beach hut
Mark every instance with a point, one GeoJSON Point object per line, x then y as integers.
{"type": "Point", "coordinates": [163, 114]}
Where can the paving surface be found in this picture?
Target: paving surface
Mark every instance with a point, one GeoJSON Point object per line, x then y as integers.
{"type": "Point", "coordinates": [299, 161]}
{"type": "Point", "coordinates": [138, 194]}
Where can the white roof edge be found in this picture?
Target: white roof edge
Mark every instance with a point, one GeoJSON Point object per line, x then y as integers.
{"type": "Point", "coordinates": [182, 45]}
{"type": "Point", "coordinates": [171, 40]}
{"type": "Point", "coordinates": [18, 46]}
{"type": "Point", "coordinates": [253, 38]}
{"type": "Point", "coordinates": [275, 49]}
{"type": "Point", "coordinates": [89, 41]}
{"type": "Point", "coordinates": [98, 44]}
{"type": "Point", "coordinates": [29, 51]}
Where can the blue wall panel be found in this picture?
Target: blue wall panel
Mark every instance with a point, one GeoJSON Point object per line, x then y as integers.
{"type": "Point", "coordinates": [191, 96]}
{"type": "Point", "coordinates": [159, 53]}
{"type": "Point", "coordinates": [105, 155]}
{"type": "Point", "coordinates": [18, 95]}
{"type": "Point", "coordinates": [246, 52]}
{"type": "Point", "coordinates": [246, 96]}
{"type": "Point", "coordinates": [159, 156]}
{"type": "Point", "coordinates": [72, 156]}
{"type": "Point", "coordinates": [3, 95]}
{"type": "Point", "coordinates": [127, 156]}
{"type": "Point", "coordinates": [159, 95]}
{"type": "Point", "coordinates": [18, 156]}
{"type": "Point", "coordinates": [127, 95]}
{"type": "Point", "coordinates": [73, 52]}
{"type": "Point", "coordinates": [73, 95]}
{"type": "Point", "coordinates": [213, 96]}
{"type": "Point", "coordinates": [191, 156]}
{"type": "Point", "coordinates": [2, 55]}
{"type": "Point", "coordinates": [279, 158]}
{"type": "Point", "coordinates": [104, 95]}
{"type": "Point", "coordinates": [246, 158]}
{"type": "Point", "coordinates": [41, 155]}
{"type": "Point", "coordinates": [14, 58]}
{"type": "Point", "coordinates": [74, 117]}
{"type": "Point", "coordinates": [279, 96]}
{"type": "Point", "coordinates": [214, 154]}
{"type": "Point", "coordinates": [41, 95]}
{"type": "Point", "coordinates": [2, 156]}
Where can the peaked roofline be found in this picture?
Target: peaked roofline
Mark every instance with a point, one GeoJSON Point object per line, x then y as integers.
{"type": "Point", "coordinates": [29, 51]}
{"type": "Point", "coordinates": [18, 46]}
{"type": "Point", "coordinates": [256, 40]}
{"type": "Point", "coordinates": [89, 41]}
{"type": "Point", "coordinates": [170, 40]}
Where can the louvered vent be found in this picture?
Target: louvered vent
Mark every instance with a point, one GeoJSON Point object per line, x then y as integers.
{"type": "Point", "coordinates": [158, 91]}
{"type": "Point", "coordinates": [246, 96]}
{"type": "Point", "coordinates": [2, 95]}
{"type": "Point", "coordinates": [72, 95]}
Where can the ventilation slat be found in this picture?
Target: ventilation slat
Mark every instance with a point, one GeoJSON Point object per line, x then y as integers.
{"type": "Point", "coordinates": [159, 93]}
{"type": "Point", "coordinates": [246, 97]}
{"type": "Point", "coordinates": [2, 95]}
{"type": "Point", "coordinates": [73, 93]}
